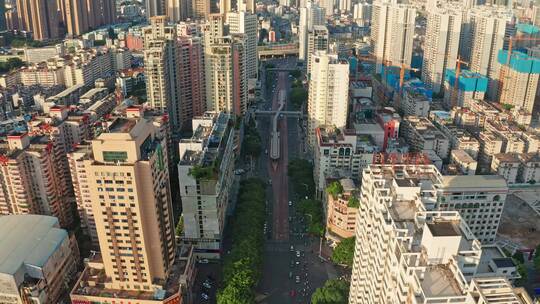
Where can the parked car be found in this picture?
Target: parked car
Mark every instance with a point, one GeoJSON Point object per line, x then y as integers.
{"type": "Point", "coordinates": [203, 261]}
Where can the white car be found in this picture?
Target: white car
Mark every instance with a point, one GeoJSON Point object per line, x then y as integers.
{"type": "Point", "coordinates": [239, 171]}
{"type": "Point", "coordinates": [290, 203]}
{"type": "Point", "coordinates": [203, 261]}
{"type": "Point", "coordinates": [204, 296]}
{"type": "Point", "coordinates": [297, 279]}
{"type": "Point", "coordinates": [297, 254]}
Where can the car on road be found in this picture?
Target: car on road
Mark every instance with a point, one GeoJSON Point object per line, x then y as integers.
{"type": "Point", "coordinates": [203, 261]}
{"type": "Point", "coordinates": [290, 203]}
{"type": "Point", "coordinates": [207, 285]}
{"type": "Point", "coordinates": [266, 151]}
{"type": "Point", "coordinates": [204, 296]}
{"type": "Point", "coordinates": [297, 279]}
{"type": "Point", "coordinates": [239, 171]}
{"type": "Point", "coordinates": [292, 248]}
{"type": "Point", "coordinates": [270, 182]}
{"type": "Point", "coordinates": [290, 274]}
{"type": "Point", "coordinates": [297, 253]}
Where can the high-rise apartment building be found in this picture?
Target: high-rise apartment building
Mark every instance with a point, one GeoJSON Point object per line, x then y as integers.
{"type": "Point", "coordinates": [226, 82]}
{"type": "Point", "coordinates": [318, 39]}
{"type": "Point", "coordinates": [246, 23]}
{"type": "Point", "coordinates": [393, 222]}
{"type": "Point", "coordinates": [155, 8]}
{"type": "Point", "coordinates": [205, 176]}
{"type": "Point", "coordinates": [39, 17]}
{"type": "Point", "coordinates": [345, 6]}
{"type": "Point", "coordinates": [161, 69]}
{"type": "Point", "coordinates": [128, 180]}
{"type": "Point", "coordinates": [328, 6]}
{"type": "Point", "coordinates": [328, 99]}
{"type": "Point", "coordinates": [79, 16]}
{"type": "Point", "coordinates": [178, 10]}
{"type": "Point", "coordinates": [128, 183]}
{"type": "Point", "coordinates": [407, 253]}
{"type": "Point", "coordinates": [190, 51]}
{"type": "Point", "coordinates": [362, 13]}
{"type": "Point", "coordinates": [442, 39]}
{"type": "Point", "coordinates": [225, 68]}
{"type": "Point", "coordinates": [310, 15]}
{"type": "Point", "coordinates": [201, 9]}
{"type": "Point", "coordinates": [392, 32]}
{"type": "Point", "coordinates": [520, 80]}
{"type": "Point", "coordinates": [33, 177]}
{"type": "Point", "coordinates": [247, 6]}
{"type": "Point", "coordinates": [487, 29]}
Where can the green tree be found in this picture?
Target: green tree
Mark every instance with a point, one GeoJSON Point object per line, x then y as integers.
{"type": "Point", "coordinates": [353, 202]}
{"type": "Point", "coordinates": [507, 106]}
{"type": "Point", "coordinates": [298, 96]}
{"type": "Point", "coordinates": [344, 252]}
{"type": "Point", "coordinates": [242, 266]}
{"type": "Point", "coordinates": [523, 273]}
{"type": "Point", "coordinates": [295, 73]}
{"type": "Point", "coordinates": [10, 64]}
{"type": "Point", "coordinates": [252, 140]}
{"type": "Point", "coordinates": [179, 226]}
{"type": "Point", "coordinates": [334, 189]}
{"type": "Point", "coordinates": [536, 259]}
{"type": "Point", "coordinates": [112, 34]}
{"type": "Point", "coordinates": [300, 172]}
{"type": "Point", "coordinates": [312, 209]}
{"type": "Point", "coordinates": [518, 257]}
{"type": "Point", "coordinates": [334, 291]}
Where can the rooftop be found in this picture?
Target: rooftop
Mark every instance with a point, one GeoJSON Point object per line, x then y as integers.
{"type": "Point", "coordinates": [474, 181]}
{"type": "Point", "coordinates": [28, 240]}
{"type": "Point", "coordinates": [93, 279]}
{"type": "Point", "coordinates": [210, 135]}
{"type": "Point", "coordinates": [462, 156]}
{"type": "Point", "coordinates": [444, 228]}
{"type": "Point", "coordinates": [436, 282]}
{"type": "Point", "coordinates": [122, 125]}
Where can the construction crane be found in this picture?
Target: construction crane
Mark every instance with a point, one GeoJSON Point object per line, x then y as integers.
{"type": "Point", "coordinates": [373, 59]}
{"type": "Point", "coordinates": [508, 57]}
{"type": "Point", "coordinates": [455, 89]}
{"type": "Point", "coordinates": [402, 68]}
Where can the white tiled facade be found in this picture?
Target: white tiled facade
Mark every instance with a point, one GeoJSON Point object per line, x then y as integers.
{"type": "Point", "coordinates": [443, 32]}
{"type": "Point", "coordinates": [392, 32]}
{"type": "Point", "coordinates": [479, 199]}
{"type": "Point", "coordinates": [403, 253]}
{"type": "Point", "coordinates": [328, 98]}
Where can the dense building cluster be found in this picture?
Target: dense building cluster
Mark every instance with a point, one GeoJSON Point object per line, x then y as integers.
{"type": "Point", "coordinates": [126, 128]}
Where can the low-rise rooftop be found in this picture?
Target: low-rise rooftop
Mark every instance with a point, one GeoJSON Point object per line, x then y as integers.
{"type": "Point", "coordinates": [28, 240]}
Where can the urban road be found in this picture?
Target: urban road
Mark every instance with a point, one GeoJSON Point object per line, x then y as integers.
{"type": "Point", "coordinates": [292, 267]}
